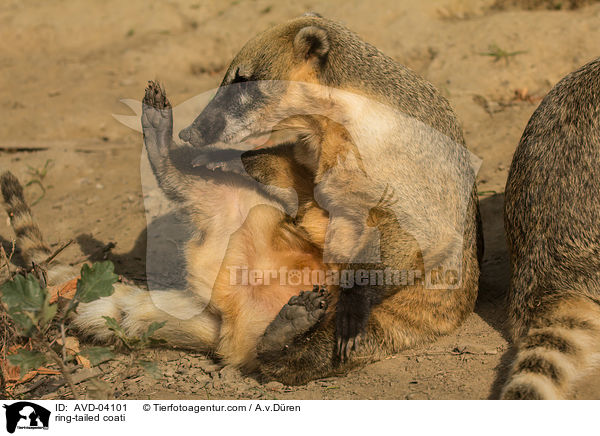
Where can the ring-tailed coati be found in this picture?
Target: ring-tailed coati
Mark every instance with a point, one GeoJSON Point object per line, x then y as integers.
{"type": "Point", "coordinates": [305, 74]}
{"type": "Point", "coordinates": [360, 123]}
{"type": "Point", "coordinates": [552, 221]}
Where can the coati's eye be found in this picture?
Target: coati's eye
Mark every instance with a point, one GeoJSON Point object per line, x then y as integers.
{"type": "Point", "coordinates": [240, 77]}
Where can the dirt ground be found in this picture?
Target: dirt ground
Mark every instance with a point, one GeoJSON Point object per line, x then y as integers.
{"type": "Point", "coordinates": [65, 65]}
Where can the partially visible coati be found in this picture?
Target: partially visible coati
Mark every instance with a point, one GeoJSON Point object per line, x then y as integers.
{"type": "Point", "coordinates": [552, 220]}
{"type": "Point", "coordinates": [383, 182]}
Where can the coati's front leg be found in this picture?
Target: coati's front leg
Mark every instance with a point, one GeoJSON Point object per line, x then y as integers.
{"type": "Point", "coordinates": [172, 165]}
{"type": "Point", "coordinates": [352, 315]}
{"type": "Point", "coordinates": [157, 127]}
{"type": "Point", "coordinates": [355, 303]}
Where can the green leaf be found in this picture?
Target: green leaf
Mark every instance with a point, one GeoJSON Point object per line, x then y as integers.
{"type": "Point", "coordinates": [27, 303]}
{"type": "Point", "coordinates": [97, 355]}
{"type": "Point", "coordinates": [96, 282]}
{"type": "Point", "coordinates": [23, 322]}
{"type": "Point", "coordinates": [113, 325]}
{"type": "Point", "coordinates": [27, 360]}
{"type": "Point", "coordinates": [48, 313]}
{"type": "Point", "coordinates": [152, 328]}
{"type": "Point", "coordinates": [151, 368]}
{"type": "Point", "coordinates": [23, 294]}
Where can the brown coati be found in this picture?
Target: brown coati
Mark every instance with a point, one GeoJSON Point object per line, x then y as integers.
{"type": "Point", "coordinates": [552, 221]}
{"type": "Point", "coordinates": [361, 123]}
{"type": "Point", "coordinates": [378, 163]}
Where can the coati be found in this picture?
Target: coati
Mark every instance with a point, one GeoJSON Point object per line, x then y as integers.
{"type": "Point", "coordinates": [365, 134]}
{"type": "Point", "coordinates": [552, 221]}
{"type": "Point", "coordinates": [312, 75]}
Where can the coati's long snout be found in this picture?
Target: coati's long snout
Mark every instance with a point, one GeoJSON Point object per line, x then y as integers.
{"type": "Point", "coordinates": [208, 127]}
{"type": "Point", "coordinates": [257, 81]}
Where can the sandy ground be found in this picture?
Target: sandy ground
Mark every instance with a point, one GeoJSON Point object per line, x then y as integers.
{"type": "Point", "coordinates": [64, 66]}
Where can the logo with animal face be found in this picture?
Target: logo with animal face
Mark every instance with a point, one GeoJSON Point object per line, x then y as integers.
{"type": "Point", "coordinates": [26, 415]}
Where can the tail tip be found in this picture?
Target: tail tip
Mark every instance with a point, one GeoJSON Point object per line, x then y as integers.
{"type": "Point", "coordinates": [10, 187]}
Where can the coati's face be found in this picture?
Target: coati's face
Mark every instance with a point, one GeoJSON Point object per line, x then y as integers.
{"type": "Point", "coordinates": [263, 90]}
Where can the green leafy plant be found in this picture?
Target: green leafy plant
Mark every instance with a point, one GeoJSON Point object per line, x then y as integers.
{"type": "Point", "coordinates": [26, 301]}
{"type": "Point", "coordinates": [138, 343]}
{"type": "Point", "coordinates": [97, 355]}
{"type": "Point", "coordinates": [27, 304]}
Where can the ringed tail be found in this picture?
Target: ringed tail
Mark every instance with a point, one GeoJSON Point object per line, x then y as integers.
{"type": "Point", "coordinates": [29, 236]}
{"type": "Point", "coordinates": [557, 349]}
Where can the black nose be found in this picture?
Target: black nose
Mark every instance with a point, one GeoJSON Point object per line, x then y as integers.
{"type": "Point", "coordinates": [190, 134]}
{"type": "Point", "coordinates": [185, 134]}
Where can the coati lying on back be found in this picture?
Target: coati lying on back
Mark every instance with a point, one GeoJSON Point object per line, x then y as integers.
{"type": "Point", "coordinates": [350, 106]}
{"type": "Point", "coordinates": [359, 123]}
{"type": "Point", "coordinates": [552, 221]}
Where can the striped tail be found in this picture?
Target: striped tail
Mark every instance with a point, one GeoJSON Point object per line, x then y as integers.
{"type": "Point", "coordinates": [29, 236]}
{"type": "Point", "coordinates": [557, 349]}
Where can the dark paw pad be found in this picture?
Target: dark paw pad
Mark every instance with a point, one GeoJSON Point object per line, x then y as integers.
{"type": "Point", "coordinates": [297, 317]}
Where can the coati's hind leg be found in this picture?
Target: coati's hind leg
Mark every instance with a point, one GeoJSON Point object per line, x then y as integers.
{"type": "Point", "coordinates": [296, 318]}
{"type": "Point", "coordinates": [186, 324]}
{"type": "Point", "coordinates": [298, 345]}
{"type": "Point", "coordinates": [409, 317]}
{"type": "Point", "coordinates": [313, 354]}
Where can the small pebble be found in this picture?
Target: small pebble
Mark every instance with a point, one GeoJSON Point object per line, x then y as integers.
{"type": "Point", "coordinates": [274, 386]}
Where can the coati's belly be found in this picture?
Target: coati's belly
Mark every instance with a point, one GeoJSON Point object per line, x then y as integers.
{"type": "Point", "coordinates": [251, 260]}
{"type": "Point", "coordinates": [266, 263]}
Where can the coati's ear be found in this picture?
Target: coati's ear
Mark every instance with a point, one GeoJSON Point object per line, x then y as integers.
{"type": "Point", "coordinates": [311, 42]}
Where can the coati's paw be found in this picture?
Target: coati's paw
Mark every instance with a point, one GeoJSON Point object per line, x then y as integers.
{"type": "Point", "coordinates": [351, 318]}
{"type": "Point", "coordinates": [297, 317]}
{"type": "Point", "coordinates": [229, 161]}
{"type": "Point", "coordinates": [156, 109]}
{"type": "Point", "coordinates": [155, 96]}
{"type": "Point", "coordinates": [232, 166]}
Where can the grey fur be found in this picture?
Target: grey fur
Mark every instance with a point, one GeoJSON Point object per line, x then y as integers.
{"type": "Point", "coordinates": [552, 221]}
